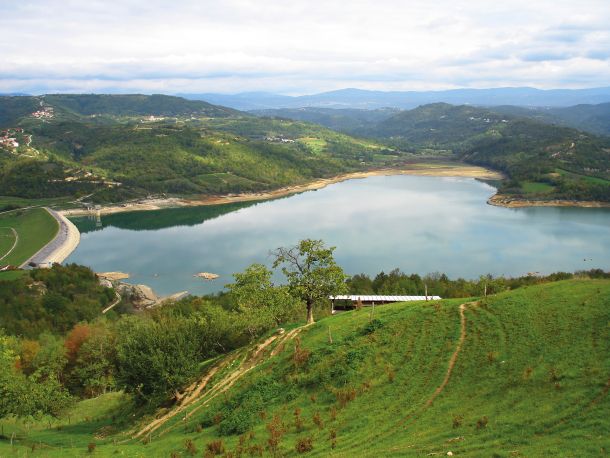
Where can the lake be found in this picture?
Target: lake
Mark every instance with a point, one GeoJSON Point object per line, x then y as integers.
{"type": "Point", "coordinates": [418, 224]}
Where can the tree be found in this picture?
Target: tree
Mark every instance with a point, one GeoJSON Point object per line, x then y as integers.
{"type": "Point", "coordinates": [311, 271]}
{"type": "Point", "coordinates": [263, 304]}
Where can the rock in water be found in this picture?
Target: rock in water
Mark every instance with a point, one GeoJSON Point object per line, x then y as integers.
{"type": "Point", "coordinates": [206, 275]}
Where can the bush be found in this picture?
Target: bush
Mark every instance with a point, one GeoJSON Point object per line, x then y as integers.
{"type": "Point", "coordinates": [372, 326]}
{"type": "Point", "coordinates": [190, 447]}
{"type": "Point", "coordinates": [345, 395]}
{"type": "Point", "coordinates": [482, 422]}
{"type": "Point", "coordinates": [216, 447]}
{"type": "Point", "coordinates": [304, 445]}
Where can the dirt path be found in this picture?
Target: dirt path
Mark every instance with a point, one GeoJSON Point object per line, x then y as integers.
{"type": "Point", "coordinates": [413, 416]}
{"type": "Point", "coordinates": [453, 359]}
{"type": "Point", "coordinates": [14, 244]}
{"type": "Point", "coordinates": [195, 392]}
{"type": "Point", "coordinates": [116, 301]}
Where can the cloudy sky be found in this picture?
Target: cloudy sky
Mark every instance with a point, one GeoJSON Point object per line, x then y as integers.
{"type": "Point", "coordinates": [301, 46]}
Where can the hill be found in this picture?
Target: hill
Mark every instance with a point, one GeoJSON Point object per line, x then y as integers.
{"type": "Point", "coordinates": [115, 147]}
{"type": "Point", "coordinates": [72, 106]}
{"type": "Point", "coordinates": [366, 99]}
{"type": "Point", "coordinates": [521, 373]}
{"type": "Point", "coordinates": [586, 117]}
{"type": "Point", "coordinates": [543, 161]}
{"type": "Point", "coordinates": [351, 121]}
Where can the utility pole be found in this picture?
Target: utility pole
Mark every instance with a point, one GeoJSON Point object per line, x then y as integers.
{"type": "Point", "coordinates": [426, 287]}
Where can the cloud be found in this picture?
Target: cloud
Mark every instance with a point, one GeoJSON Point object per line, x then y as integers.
{"type": "Point", "coordinates": [300, 46]}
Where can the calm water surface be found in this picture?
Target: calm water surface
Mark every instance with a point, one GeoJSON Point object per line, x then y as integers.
{"type": "Point", "coordinates": [419, 224]}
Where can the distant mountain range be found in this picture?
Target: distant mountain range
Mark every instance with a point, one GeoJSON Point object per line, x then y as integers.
{"type": "Point", "coordinates": [358, 98]}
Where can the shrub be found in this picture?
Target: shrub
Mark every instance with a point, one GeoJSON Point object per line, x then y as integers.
{"type": "Point", "coordinates": [482, 422]}
{"type": "Point", "coordinates": [190, 447]}
{"type": "Point", "coordinates": [332, 435]}
{"type": "Point", "coordinates": [298, 421]}
{"type": "Point", "coordinates": [345, 395]}
{"type": "Point", "coordinates": [333, 413]}
{"type": "Point", "coordinates": [276, 431]}
{"type": "Point", "coordinates": [390, 373]}
{"type": "Point", "coordinates": [216, 447]}
{"type": "Point", "coordinates": [491, 357]}
{"type": "Point", "coordinates": [304, 445]}
{"type": "Point", "coordinates": [301, 355]}
{"type": "Point", "coordinates": [372, 326]}
{"type": "Point", "coordinates": [317, 419]}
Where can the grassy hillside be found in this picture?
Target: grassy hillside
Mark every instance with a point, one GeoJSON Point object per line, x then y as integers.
{"type": "Point", "coordinates": [524, 373]}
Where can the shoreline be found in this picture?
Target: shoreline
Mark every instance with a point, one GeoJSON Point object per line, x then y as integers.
{"type": "Point", "coordinates": [60, 247]}
{"type": "Point", "coordinates": [443, 170]}
{"type": "Point", "coordinates": [502, 200]}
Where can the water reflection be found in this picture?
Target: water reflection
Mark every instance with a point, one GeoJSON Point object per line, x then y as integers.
{"type": "Point", "coordinates": [419, 224]}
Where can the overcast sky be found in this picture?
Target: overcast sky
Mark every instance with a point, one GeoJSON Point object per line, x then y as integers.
{"type": "Point", "coordinates": [301, 46]}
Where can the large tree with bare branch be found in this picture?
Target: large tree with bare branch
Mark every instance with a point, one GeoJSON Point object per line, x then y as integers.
{"type": "Point", "coordinates": [311, 271]}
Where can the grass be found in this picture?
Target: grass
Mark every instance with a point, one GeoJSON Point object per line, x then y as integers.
{"type": "Point", "coordinates": [531, 380]}
{"type": "Point", "coordinates": [7, 240]}
{"type": "Point", "coordinates": [6, 201]}
{"type": "Point", "coordinates": [588, 178]}
{"type": "Point", "coordinates": [532, 187]}
{"type": "Point", "coordinates": [35, 228]}
{"type": "Point", "coordinates": [315, 145]}
{"type": "Point", "coordinates": [11, 275]}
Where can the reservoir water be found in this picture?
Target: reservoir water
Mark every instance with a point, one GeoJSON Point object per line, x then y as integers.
{"type": "Point", "coordinates": [418, 224]}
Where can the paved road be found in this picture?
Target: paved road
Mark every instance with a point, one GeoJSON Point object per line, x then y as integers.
{"type": "Point", "coordinates": [61, 246]}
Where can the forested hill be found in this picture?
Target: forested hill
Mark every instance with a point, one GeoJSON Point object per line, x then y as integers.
{"type": "Point", "coordinates": [543, 160]}
{"type": "Point", "coordinates": [14, 108]}
{"type": "Point", "coordinates": [117, 147]}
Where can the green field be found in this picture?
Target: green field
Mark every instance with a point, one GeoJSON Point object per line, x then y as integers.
{"type": "Point", "coordinates": [11, 275]}
{"type": "Point", "coordinates": [590, 179]}
{"type": "Point", "coordinates": [532, 187]}
{"type": "Point", "coordinates": [7, 241]}
{"type": "Point", "coordinates": [35, 228]}
{"type": "Point", "coordinates": [530, 378]}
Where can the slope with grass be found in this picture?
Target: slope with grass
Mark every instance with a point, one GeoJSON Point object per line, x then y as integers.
{"type": "Point", "coordinates": [523, 373]}
{"type": "Point", "coordinates": [33, 229]}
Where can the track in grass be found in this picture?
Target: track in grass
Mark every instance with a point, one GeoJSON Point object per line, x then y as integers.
{"type": "Point", "coordinates": [15, 237]}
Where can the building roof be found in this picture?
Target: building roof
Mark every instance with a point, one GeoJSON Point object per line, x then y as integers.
{"type": "Point", "coordinates": [369, 298]}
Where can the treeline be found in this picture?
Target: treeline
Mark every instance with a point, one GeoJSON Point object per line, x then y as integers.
{"type": "Point", "coordinates": [439, 284]}
{"type": "Point", "coordinates": [70, 351]}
